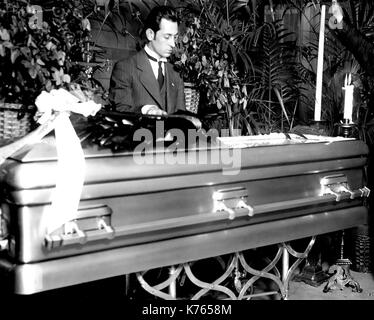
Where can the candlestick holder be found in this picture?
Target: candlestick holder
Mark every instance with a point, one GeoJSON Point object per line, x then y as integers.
{"type": "Point", "coordinates": [341, 277]}
{"type": "Point", "coordinates": [346, 128]}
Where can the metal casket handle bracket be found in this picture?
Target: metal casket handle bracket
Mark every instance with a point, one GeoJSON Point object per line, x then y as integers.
{"type": "Point", "coordinates": [243, 204]}
{"type": "Point", "coordinates": [337, 185]}
{"type": "Point", "coordinates": [92, 223]}
{"type": "Point", "coordinates": [365, 192]}
{"type": "Point", "coordinates": [230, 200]}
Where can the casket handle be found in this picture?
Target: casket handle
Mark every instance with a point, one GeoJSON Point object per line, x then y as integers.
{"type": "Point", "coordinates": [338, 186]}
{"type": "Point", "coordinates": [92, 223]}
{"type": "Point", "coordinates": [230, 200]}
{"type": "Point", "coordinates": [234, 205]}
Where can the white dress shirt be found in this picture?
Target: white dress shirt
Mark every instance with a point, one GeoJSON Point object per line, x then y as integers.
{"type": "Point", "coordinates": [154, 64]}
{"type": "Point", "coordinates": [150, 109]}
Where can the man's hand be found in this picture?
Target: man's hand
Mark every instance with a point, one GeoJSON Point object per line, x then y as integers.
{"type": "Point", "coordinates": [153, 110]}
{"type": "Point", "coordinates": [196, 122]}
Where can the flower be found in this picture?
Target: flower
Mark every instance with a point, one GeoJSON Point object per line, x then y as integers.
{"type": "Point", "coordinates": [210, 54]}
{"type": "Point", "coordinates": [201, 59]}
{"type": "Point", "coordinates": [187, 55]}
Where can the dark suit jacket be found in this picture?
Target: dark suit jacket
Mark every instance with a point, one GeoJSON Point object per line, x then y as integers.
{"type": "Point", "coordinates": [133, 85]}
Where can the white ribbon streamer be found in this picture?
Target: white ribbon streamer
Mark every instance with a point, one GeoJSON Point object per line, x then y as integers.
{"type": "Point", "coordinates": [70, 174]}
{"type": "Point", "coordinates": [70, 171]}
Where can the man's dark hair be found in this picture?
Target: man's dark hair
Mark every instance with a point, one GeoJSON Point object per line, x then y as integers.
{"type": "Point", "coordinates": [156, 14]}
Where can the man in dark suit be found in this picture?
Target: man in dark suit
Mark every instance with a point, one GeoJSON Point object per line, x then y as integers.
{"type": "Point", "coordinates": [146, 83]}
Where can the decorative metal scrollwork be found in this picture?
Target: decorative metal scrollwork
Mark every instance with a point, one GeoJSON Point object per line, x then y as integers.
{"type": "Point", "coordinates": [235, 281]}
{"type": "Point", "coordinates": [300, 256]}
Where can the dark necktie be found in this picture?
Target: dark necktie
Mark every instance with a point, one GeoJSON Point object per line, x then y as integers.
{"type": "Point", "coordinates": [160, 75]}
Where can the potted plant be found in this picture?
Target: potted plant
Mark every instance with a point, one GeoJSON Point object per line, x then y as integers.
{"type": "Point", "coordinates": [210, 55]}
{"type": "Point", "coordinates": [187, 60]}
{"type": "Point", "coordinates": [38, 48]}
{"type": "Point", "coordinates": [247, 74]}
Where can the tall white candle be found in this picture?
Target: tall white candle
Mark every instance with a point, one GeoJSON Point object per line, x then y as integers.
{"type": "Point", "coordinates": [321, 45]}
{"type": "Point", "coordinates": [348, 98]}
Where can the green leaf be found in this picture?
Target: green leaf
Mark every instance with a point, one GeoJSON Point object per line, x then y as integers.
{"type": "Point", "coordinates": [14, 54]}
{"type": "Point", "coordinates": [40, 62]}
{"type": "Point", "coordinates": [218, 103]}
{"type": "Point", "coordinates": [48, 85]}
{"type": "Point", "coordinates": [282, 104]}
{"type": "Point", "coordinates": [234, 98]}
{"type": "Point", "coordinates": [4, 34]}
{"type": "Point", "coordinates": [8, 44]}
{"type": "Point", "coordinates": [30, 42]}
{"type": "Point", "coordinates": [33, 72]}
{"type": "Point", "coordinates": [25, 51]}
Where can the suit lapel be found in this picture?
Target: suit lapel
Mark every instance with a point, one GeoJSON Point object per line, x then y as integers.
{"type": "Point", "coordinates": [147, 78]}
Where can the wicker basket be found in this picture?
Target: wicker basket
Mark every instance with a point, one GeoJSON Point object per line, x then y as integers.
{"type": "Point", "coordinates": [192, 97]}
{"type": "Point", "coordinates": [10, 126]}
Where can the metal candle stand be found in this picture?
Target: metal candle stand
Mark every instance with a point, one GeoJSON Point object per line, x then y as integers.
{"type": "Point", "coordinates": [346, 128]}
{"type": "Point", "coordinates": [312, 272]}
{"type": "Point", "coordinates": [341, 277]}
{"type": "Point", "coordinates": [341, 269]}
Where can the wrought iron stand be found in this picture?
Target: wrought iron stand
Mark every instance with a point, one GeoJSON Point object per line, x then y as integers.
{"type": "Point", "coordinates": [236, 281]}
{"type": "Point", "coordinates": [341, 269]}
{"type": "Point", "coordinates": [341, 277]}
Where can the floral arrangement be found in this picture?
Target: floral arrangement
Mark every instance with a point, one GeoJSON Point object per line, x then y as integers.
{"type": "Point", "coordinates": [187, 55]}
{"type": "Point", "coordinates": [38, 47]}
{"type": "Point", "coordinates": [248, 75]}
{"type": "Point", "coordinates": [204, 59]}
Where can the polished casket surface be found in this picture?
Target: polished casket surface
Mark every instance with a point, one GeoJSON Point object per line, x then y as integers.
{"type": "Point", "coordinates": [164, 207]}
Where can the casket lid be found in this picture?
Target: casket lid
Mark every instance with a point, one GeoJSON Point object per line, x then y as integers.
{"type": "Point", "coordinates": [45, 150]}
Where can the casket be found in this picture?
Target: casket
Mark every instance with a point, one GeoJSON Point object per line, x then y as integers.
{"type": "Point", "coordinates": [157, 208]}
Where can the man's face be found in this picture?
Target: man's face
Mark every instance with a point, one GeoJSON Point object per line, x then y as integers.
{"type": "Point", "coordinates": [163, 41]}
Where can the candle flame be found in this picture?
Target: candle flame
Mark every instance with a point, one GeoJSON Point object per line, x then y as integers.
{"type": "Point", "coordinates": [348, 80]}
